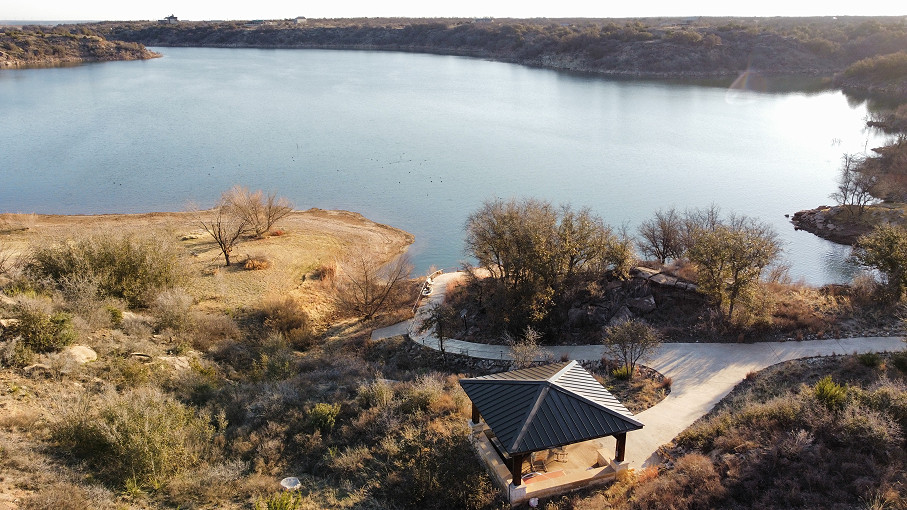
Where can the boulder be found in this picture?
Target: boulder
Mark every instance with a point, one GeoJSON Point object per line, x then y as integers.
{"type": "Point", "coordinates": [179, 363]}
{"type": "Point", "coordinates": [81, 353]}
{"type": "Point", "coordinates": [623, 314]}
{"type": "Point", "coordinates": [663, 279]}
{"type": "Point", "coordinates": [644, 304]}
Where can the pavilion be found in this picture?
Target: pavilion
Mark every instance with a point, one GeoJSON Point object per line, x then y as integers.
{"type": "Point", "coordinates": [545, 409]}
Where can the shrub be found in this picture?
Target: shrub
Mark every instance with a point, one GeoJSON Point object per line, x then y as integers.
{"type": "Point", "coordinates": [272, 367]}
{"type": "Point", "coordinates": [693, 483]}
{"type": "Point", "coordinates": [116, 316]}
{"type": "Point", "coordinates": [882, 68]}
{"type": "Point", "coordinates": [422, 394]}
{"type": "Point", "coordinates": [870, 359]}
{"type": "Point", "coordinates": [830, 393]}
{"type": "Point", "coordinates": [865, 428]}
{"type": "Point", "coordinates": [377, 394]}
{"type": "Point", "coordinates": [211, 330]}
{"type": "Point", "coordinates": [899, 360]}
{"type": "Point", "coordinates": [14, 353]}
{"type": "Point", "coordinates": [61, 496]}
{"type": "Point", "coordinates": [280, 501]}
{"type": "Point", "coordinates": [129, 268]}
{"type": "Point", "coordinates": [322, 417]}
{"type": "Point", "coordinates": [684, 37]}
{"type": "Point", "coordinates": [42, 331]}
{"type": "Point", "coordinates": [257, 263]}
{"type": "Point", "coordinates": [171, 310]}
{"type": "Point", "coordinates": [141, 437]}
{"type": "Point", "coordinates": [624, 373]}
{"type": "Point", "coordinates": [286, 316]}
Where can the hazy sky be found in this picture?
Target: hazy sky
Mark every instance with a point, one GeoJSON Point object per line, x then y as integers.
{"type": "Point", "coordinates": [277, 9]}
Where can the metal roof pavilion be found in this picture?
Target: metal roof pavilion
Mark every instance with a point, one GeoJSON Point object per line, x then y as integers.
{"type": "Point", "coordinates": [547, 406]}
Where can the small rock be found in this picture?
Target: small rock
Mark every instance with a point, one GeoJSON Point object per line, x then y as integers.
{"type": "Point", "coordinates": [8, 323]}
{"type": "Point", "coordinates": [36, 368]}
{"type": "Point", "coordinates": [141, 356]}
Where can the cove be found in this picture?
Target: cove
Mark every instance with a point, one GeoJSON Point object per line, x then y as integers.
{"type": "Point", "coordinates": [419, 141]}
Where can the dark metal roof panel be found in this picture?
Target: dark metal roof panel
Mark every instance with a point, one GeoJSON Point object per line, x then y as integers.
{"type": "Point", "coordinates": [506, 406]}
{"type": "Point", "coordinates": [563, 419]}
{"type": "Point", "coordinates": [537, 373]}
{"type": "Point", "coordinates": [551, 405]}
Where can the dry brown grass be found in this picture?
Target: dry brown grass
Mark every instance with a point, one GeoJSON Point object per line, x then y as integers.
{"type": "Point", "coordinates": [311, 242]}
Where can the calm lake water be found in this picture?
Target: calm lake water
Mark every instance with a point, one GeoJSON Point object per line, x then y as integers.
{"type": "Point", "coordinates": [417, 142]}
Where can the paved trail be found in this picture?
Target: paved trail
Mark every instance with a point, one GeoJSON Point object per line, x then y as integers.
{"type": "Point", "coordinates": [703, 373]}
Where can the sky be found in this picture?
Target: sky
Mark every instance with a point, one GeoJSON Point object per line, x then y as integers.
{"type": "Point", "coordinates": [118, 10]}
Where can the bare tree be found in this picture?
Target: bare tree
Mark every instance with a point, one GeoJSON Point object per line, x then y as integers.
{"type": "Point", "coordinates": [661, 237]}
{"type": "Point", "coordinates": [260, 211]}
{"type": "Point", "coordinates": [365, 287]}
{"type": "Point", "coordinates": [224, 227]}
{"type": "Point", "coordinates": [630, 342]}
{"type": "Point", "coordinates": [526, 350]}
{"type": "Point", "coordinates": [855, 183]}
{"type": "Point", "coordinates": [6, 260]}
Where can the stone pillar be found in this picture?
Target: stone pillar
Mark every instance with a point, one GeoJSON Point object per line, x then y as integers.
{"type": "Point", "coordinates": [516, 468]}
{"type": "Point", "coordinates": [621, 446]}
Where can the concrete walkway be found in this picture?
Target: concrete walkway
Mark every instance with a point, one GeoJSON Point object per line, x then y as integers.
{"type": "Point", "coordinates": [703, 373]}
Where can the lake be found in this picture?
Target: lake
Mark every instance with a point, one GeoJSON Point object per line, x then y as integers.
{"type": "Point", "coordinates": [418, 142]}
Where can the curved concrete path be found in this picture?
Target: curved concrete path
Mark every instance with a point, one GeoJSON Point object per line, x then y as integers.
{"type": "Point", "coordinates": [702, 373]}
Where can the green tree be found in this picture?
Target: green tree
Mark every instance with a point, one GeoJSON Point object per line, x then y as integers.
{"type": "Point", "coordinates": [630, 342]}
{"type": "Point", "coordinates": [439, 319]}
{"type": "Point", "coordinates": [730, 257]}
{"type": "Point", "coordinates": [885, 249]}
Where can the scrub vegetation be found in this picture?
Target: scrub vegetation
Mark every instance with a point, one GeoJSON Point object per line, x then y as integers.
{"type": "Point", "coordinates": [37, 46]}
{"type": "Point", "coordinates": [812, 433]}
{"type": "Point", "coordinates": [660, 47]}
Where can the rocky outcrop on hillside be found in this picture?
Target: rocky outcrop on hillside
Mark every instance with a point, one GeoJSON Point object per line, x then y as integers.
{"type": "Point", "coordinates": [35, 47]}
{"type": "Point", "coordinates": [829, 223]}
{"type": "Point", "coordinates": [638, 297]}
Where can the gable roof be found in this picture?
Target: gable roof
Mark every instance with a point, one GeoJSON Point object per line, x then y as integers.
{"type": "Point", "coordinates": [547, 406]}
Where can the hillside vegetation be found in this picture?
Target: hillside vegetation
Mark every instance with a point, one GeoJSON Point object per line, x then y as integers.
{"type": "Point", "coordinates": [649, 46]}
{"type": "Point", "coordinates": [31, 46]}
{"type": "Point", "coordinates": [812, 433]}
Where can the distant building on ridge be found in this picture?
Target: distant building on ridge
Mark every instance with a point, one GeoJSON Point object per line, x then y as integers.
{"type": "Point", "coordinates": [170, 20]}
